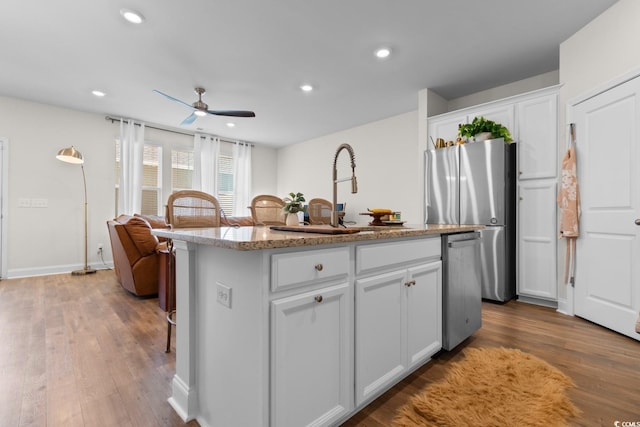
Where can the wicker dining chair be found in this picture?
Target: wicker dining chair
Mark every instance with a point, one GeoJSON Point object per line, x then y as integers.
{"type": "Point", "coordinates": [187, 209]}
{"type": "Point", "coordinates": [267, 210]}
{"type": "Point", "coordinates": [193, 209]}
{"type": "Point", "coordinates": [319, 211]}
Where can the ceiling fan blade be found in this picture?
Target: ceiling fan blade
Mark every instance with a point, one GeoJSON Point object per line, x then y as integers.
{"type": "Point", "coordinates": [172, 98]}
{"type": "Point", "coordinates": [192, 118]}
{"type": "Point", "coordinates": [232, 113]}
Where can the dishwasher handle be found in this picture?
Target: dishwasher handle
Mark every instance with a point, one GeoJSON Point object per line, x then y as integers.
{"type": "Point", "coordinates": [463, 243]}
{"type": "Point", "coordinates": [471, 240]}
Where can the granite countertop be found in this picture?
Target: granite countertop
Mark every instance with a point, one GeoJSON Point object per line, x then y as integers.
{"type": "Point", "coordinates": [262, 237]}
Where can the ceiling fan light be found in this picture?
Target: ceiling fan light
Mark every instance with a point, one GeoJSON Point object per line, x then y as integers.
{"type": "Point", "coordinates": [200, 113]}
{"type": "Point", "coordinates": [132, 16]}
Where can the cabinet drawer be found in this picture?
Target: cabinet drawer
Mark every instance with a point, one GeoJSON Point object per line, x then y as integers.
{"type": "Point", "coordinates": [381, 255]}
{"type": "Point", "coordinates": [292, 270]}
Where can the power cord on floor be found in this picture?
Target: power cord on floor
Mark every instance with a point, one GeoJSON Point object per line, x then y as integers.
{"type": "Point", "coordinates": [101, 252]}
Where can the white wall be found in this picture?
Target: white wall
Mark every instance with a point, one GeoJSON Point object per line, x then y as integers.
{"type": "Point", "coordinates": [51, 240]}
{"type": "Point", "coordinates": [604, 49]}
{"type": "Point", "coordinates": [521, 86]}
{"type": "Point", "coordinates": [601, 51]}
{"type": "Point", "coordinates": [386, 167]}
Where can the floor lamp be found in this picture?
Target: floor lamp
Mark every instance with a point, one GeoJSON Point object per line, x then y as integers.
{"type": "Point", "coordinates": [71, 155]}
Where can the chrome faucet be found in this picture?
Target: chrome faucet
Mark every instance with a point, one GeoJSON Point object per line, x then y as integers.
{"type": "Point", "coordinates": [354, 182]}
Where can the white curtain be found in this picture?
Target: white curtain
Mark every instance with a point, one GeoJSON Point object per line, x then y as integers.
{"type": "Point", "coordinates": [131, 158]}
{"type": "Point", "coordinates": [242, 174]}
{"type": "Point", "coordinates": [206, 152]}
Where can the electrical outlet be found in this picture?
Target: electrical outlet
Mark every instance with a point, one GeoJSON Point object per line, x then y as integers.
{"type": "Point", "coordinates": [223, 294]}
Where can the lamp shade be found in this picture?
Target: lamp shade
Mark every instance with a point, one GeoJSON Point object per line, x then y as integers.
{"type": "Point", "coordinates": [70, 155]}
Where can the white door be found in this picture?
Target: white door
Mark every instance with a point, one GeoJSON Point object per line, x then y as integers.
{"type": "Point", "coordinates": [3, 206]}
{"type": "Point", "coordinates": [607, 280]}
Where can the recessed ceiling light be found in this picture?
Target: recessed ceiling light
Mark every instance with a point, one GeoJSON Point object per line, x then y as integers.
{"type": "Point", "coordinates": [382, 52]}
{"type": "Point", "coordinates": [230, 124]}
{"type": "Point", "coordinates": [98, 93]}
{"type": "Point", "coordinates": [306, 87]}
{"type": "Point", "coordinates": [200, 113]}
{"type": "Point", "coordinates": [132, 16]}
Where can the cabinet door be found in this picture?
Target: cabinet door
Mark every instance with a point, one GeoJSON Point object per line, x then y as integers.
{"type": "Point", "coordinates": [424, 312]}
{"type": "Point", "coordinates": [538, 137]}
{"type": "Point", "coordinates": [445, 128]}
{"type": "Point", "coordinates": [380, 332]}
{"type": "Point", "coordinates": [311, 365]}
{"type": "Point", "coordinates": [537, 239]}
{"type": "Point", "coordinates": [503, 114]}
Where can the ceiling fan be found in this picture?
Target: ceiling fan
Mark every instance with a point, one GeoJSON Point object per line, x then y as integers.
{"type": "Point", "coordinates": [201, 109]}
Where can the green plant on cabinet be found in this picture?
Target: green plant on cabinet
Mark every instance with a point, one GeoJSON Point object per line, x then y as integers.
{"type": "Point", "coordinates": [481, 125]}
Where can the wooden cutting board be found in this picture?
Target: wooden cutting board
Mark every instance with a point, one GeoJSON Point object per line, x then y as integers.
{"type": "Point", "coordinates": [327, 229]}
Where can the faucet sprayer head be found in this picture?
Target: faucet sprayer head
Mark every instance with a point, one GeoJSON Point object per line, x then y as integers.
{"type": "Point", "coordinates": [354, 184]}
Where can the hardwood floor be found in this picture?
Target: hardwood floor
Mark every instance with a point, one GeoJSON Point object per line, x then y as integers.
{"type": "Point", "coordinates": [604, 365]}
{"type": "Point", "coordinates": [81, 351]}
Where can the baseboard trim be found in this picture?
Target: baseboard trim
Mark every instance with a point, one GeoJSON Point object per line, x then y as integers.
{"type": "Point", "coordinates": [50, 270]}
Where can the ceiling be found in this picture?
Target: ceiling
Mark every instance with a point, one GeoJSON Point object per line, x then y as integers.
{"type": "Point", "coordinates": [254, 55]}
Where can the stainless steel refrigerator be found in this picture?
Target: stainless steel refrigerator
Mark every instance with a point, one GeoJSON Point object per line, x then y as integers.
{"type": "Point", "coordinates": [475, 183]}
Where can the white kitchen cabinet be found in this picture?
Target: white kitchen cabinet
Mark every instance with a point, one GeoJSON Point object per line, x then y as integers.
{"type": "Point", "coordinates": [398, 323]}
{"type": "Point", "coordinates": [311, 362]}
{"type": "Point", "coordinates": [537, 132]}
{"type": "Point", "coordinates": [445, 128]}
{"type": "Point", "coordinates": [532, 119]}
{"type": "Point", "coordinates": [502, 113]}
{"type": "Point", "coordinates": [537, 241]}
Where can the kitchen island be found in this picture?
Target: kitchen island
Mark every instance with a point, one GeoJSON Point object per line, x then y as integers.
{"type": "Point", "coordinates": [274, 328]}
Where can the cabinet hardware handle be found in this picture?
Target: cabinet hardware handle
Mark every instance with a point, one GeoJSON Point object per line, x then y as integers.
{"type": "Point", "coordinates": [411, 283]}
{"type": "Point", "coordinates": [637, 221]}
{"type": "Point", "coordinates": [319, 267]}
{"type": "Point", "coordinates": [318, 298]}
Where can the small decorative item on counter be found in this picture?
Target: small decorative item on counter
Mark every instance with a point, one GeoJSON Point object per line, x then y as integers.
{"type": "Point", "coordinates": [293, 205]}
{"type": "Point", "coordinates": [378, 214]}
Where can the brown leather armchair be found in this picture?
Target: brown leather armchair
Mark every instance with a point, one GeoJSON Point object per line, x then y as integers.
{"type": "Point", "coordinates": [135, 252]}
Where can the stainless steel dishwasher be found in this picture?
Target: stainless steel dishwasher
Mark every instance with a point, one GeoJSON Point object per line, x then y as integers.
{"type": "Point", "coordinates": [462, 287]}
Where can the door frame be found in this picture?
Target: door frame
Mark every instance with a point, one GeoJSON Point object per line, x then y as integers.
{"type": "Point", "coordinates": [567, 305]}
{"type": "Point", "coordinates": [4, 204]}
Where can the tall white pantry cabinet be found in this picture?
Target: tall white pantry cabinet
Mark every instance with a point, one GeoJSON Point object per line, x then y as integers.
{"type": "Point", "coordinates": [532, 119]}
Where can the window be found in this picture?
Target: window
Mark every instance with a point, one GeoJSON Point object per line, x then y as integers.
{"type": "Point", "coordinates": [159, 182]}
{"type": "Point", "coordinates": [151, 179]}
{"type": "Point", "coordinates": [181, 170]}
{"type": "Point", "coordinates": [225, 184]}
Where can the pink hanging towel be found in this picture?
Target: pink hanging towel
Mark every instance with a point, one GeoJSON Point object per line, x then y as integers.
{"type": "Point", "coordinates": [569, 202]}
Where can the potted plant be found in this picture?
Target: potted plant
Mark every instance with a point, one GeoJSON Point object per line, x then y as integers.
{"type": "Point", "coordinates": [293, 205]}
{"type": "Point", "coordinates": [481, 129]}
